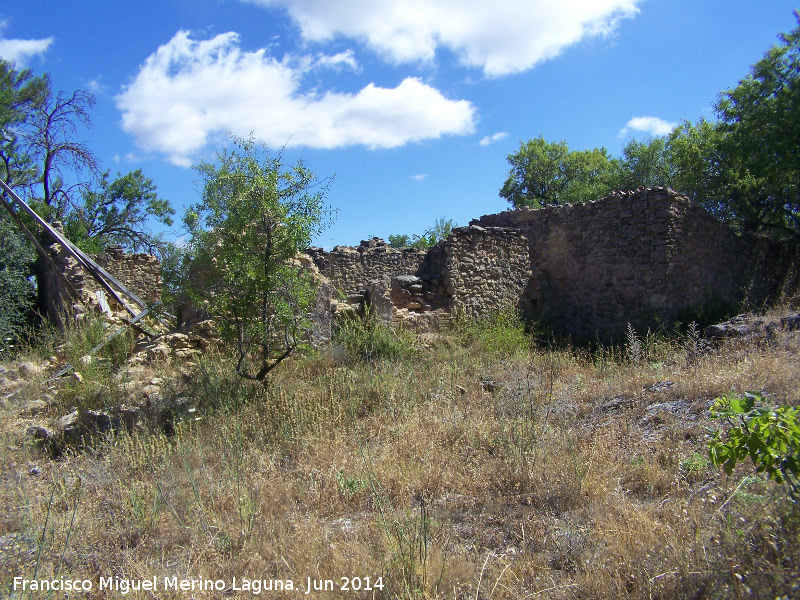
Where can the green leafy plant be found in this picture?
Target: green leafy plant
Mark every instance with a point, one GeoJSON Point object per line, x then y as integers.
{"type": "Point", "coordinates": [440, 231]}
{"type": "Point", "coordinates": [350, 486]}
{"type": "Point", "coordinates": [769, 436]}
{"type": "Point", "coordinates": [371, 340]}
{"type": "Point", "coordinates": [256, 215]}
{"type": "Point", "coordinates": [503, 333]}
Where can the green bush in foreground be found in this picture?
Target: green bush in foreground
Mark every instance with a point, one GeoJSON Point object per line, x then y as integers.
{"type": "Point", "coordinates": [769, 436]}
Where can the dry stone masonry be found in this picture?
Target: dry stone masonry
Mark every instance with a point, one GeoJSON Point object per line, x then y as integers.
{"type": "Point", "coordinates": [140, 273]}
{"type": "Point", "coordinates": [647, 257]}
{"type": "Point", "coordinates": [350, 268]}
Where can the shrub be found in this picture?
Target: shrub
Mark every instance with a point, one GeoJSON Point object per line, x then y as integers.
{"type": "Point", "coordinates": [769, 436]}
{"type": "Point", "coordinates": [372, 340]}
{"type": "Point", "coordinates": [16, 292]}
{"type": "Point", "coordinates": [504, 333]}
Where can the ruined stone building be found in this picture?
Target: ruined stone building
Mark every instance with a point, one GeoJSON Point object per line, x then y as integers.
{"type": "Point", "coordinates": [648, 258]}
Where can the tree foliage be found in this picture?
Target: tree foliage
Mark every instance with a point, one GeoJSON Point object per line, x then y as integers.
{"type": "Point", "coordinates": [400, 241]}
{"type": "Point", "coordinates": [256, 215]}
{"type": "Point", "coordinates": [760, 122]}
{"type": "Point", "coordinates": [45, 158]}
{"type": "Point", "coordinates": [20, 91]}
{"type": "Point", "coordinates": [744, 168]}
{"type": "Point", "coordinates": [549, 173]}
{"type": "Point", "coordinates": [51, 138]}
{"type": "Point", "coordinates": [117, 212]}
{"type": "Point", "coordinates": [769, 436]}
{"type": "Point", "coordinates": [439, 231]}
{"type": "Point", "coordinates": [16, 291]}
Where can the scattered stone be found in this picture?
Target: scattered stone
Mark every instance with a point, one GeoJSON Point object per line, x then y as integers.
{"type": "Point", "coordinates": [177, 340]}
{"type": "Point", "coordinates": [791, 323]}
{"type": "Point", "coordinates": [158, 352]}
{"type": "Point", "coordinates": [34, 408]}
{"type": "Point", "coordinates": [28, 370]}
{"type": "Point", "coordinates": [68, 421]}
{"type": "Point", "coordinates": [77, 376]}
{"type": "Point", "coordinates": [334, 352]}
{"type": "Point", "coordinates": [660, 386]}
{"type": "Point", "coordinates": [151, 392]}
{"type": "Point", "coordinates": [617, 404]}
{"type": "Point", "coordinates": [681, 408]}
{"type": "Point", "coordinates": [356, 298]}
{"type": "Point", "coordinates": [489, 384]}
{"type": "Point", "coordinates": [206, 325]}
{"type": "Point", "coordinates": [427, 339]}
{"type": "Point", "coordinates": [39, 433]}
{"type": "Point", "coordinates": [738, 326]}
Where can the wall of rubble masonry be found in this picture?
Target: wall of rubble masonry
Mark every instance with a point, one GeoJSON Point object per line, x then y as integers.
{"type": "Point", "coordinates": [649, 257]}
{"type": "Point", "coordinates": [140, 273]}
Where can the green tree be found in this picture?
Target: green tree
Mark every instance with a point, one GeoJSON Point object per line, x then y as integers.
{"type": "Point", "coordinates": [696, 165]}
{"type": "Point", "coordinates": [645, 164]}
{"type": "Point", "coordinates": [20, 91]}
{"type": "Point", "coordinates": [440, 231]}
{"type": "Point", "coordinates": [118, 212]}
{"type": "Point", "coordinates": [44, 156]}
{"type": "Point", "coordinates": [688, 159]}
{"type": "Point", "coordinates": [399, 241]}
{"type": "Point", "coordinates": [549, 173]}
{"type": "Point", "coordinates": [256, 215]}
{"type": "Point", "coordinates": [760, 120]}
{"type": "Point", "coordinates": [16, 291]}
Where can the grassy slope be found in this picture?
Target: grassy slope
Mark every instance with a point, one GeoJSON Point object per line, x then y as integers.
{"type": "Point", "coordinates": [473, 468]}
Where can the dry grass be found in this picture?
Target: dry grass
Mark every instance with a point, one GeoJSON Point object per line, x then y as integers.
{"type": "Point", "coordinates": [460, 473]}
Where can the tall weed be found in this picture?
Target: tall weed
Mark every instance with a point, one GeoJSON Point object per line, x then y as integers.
{"type": "Point", "coordinates": [502, 334]}
{"type": "Point", "coordinates": [371, 340]}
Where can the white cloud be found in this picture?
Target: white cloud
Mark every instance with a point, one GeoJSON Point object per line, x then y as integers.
{"type": "Point", "coordinates": [96, 85]}
{"type": "Point", "coordinates": [491, 139]}
{"type": "Point", "coordinates": [18, 51]}
{"type": "Point", "coordinates": [338, 60]}
{"type": "Point", "coordinates": [500, 37]}
{"type": "Point", "coordinates": [649, 125]}
{"type": "Point", "coordinates": [190, 92]}
{"type": "Point", "coordinates": [419, 177]}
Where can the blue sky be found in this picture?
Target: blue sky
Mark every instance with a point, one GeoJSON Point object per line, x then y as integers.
{"type": "Point", "coordinates": [413, 104]}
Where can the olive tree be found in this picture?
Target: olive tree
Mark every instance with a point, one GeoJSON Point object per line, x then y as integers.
{"type": "Point", "coordinates": [256, 215]}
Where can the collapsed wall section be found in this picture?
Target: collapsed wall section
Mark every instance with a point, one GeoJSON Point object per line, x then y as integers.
{"type": "Point", "coordinates": [140, 273]}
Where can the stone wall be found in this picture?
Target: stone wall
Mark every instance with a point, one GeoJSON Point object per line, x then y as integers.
{"type": "Point", "coordinates": [349, 269]}
{"type": "Point", "coordinates": [486, 270]}
{"type": "Point", "coordinates": [648, 258]}
{"type": "Point", "coordinates": [140, 273]}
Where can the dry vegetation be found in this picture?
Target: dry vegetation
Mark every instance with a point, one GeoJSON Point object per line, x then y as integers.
{"type": "Point", "coordinates": [474, 467]}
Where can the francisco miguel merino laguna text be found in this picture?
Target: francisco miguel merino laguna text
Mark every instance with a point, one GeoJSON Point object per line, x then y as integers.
{"type": "Point", "coordinates": [254, 586]}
